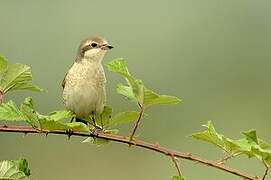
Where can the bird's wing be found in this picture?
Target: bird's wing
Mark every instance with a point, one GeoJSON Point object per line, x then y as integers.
{"type": "Point", "coordinates": [64, 81]}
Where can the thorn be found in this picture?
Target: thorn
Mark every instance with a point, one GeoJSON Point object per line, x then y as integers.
{"type": "Point", "coordinates": [5, 126]}
{"type": "Point", "coordinates": [157, 144]}
{"type": "Point", "coordinates": [69, 133]}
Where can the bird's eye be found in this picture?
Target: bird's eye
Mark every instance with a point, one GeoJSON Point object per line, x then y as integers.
{"type": "Point", "coordinates": [93, 45]}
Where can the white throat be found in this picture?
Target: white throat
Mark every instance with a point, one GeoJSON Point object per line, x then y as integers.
{"type": "Point", "coordinates": [94, 55]}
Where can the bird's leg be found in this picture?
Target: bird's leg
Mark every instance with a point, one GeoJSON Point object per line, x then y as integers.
{"type": "Point", "coordinates": [72, 119]}
{"type": "Point", "coordinates": [94, 122]}
{"type": "Point", "coordinates": [102, 124]}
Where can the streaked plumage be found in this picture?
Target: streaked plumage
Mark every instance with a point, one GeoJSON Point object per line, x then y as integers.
{"type": "Point", "coordinates": [84, 84]}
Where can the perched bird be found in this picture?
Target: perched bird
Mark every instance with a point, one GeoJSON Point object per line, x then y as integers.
{"type": "Point", "coordinates": [84, 83]}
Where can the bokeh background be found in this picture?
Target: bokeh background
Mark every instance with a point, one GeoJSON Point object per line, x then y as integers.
{"type": "Point", "coordinates": [214, 54]}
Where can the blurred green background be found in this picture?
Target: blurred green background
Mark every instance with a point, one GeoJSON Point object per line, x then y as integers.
{"type": "Point", "coordinates": [214, 54]}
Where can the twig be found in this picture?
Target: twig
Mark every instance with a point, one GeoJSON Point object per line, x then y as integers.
{"type": "Point", "coordinates": [136, 142]}
{"type": "Point", "coordinates": [265, 172]}
{"type": "Point", "coordinates": [174, 160]}
{"type": "Point", "coordinates": [224, 159]}
{"type": "Point", "coordinates": [138, 121]}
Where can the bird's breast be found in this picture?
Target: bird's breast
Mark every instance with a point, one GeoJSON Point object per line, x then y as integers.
{"type": "Point", "coordinates": [84, 91]}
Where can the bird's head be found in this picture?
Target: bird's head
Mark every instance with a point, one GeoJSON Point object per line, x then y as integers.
{"type": "Point", "coordinates": [93, 48]}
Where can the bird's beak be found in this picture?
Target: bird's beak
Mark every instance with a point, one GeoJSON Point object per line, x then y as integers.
{"type": "Point", "coordinates": [106, 47]}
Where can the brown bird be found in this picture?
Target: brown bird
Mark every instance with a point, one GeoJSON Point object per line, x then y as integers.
{"type": "Point", "coordinates": [84, 83]}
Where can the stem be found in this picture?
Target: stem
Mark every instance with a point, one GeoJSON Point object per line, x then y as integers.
{"type": "Point", "coordinates": [1, 96]}
{"type": "Point", "coordinates": [135, 142]}
{"type": "Point", "coordinates": [138, 121]}
{"type": "Point", "coordinates": [224, 159]}
{"type": "Point", "coordinates": [174, 160]}
{"type": "Point", "coordinates": [265, 172]}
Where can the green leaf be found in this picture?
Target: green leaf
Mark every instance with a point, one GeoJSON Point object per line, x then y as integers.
{"type": "Point", "coordinates": [251, 145]}
{"type": "Point", "coordinates": [22, 165]}
{"type": "Point", "coordinates": [152, 98]}
{"type": "Point", "coordinates": [210, 135]}
{"type": "Point", "coordinates": [14, 170]}
{"type": "Point", "coordinates": [119, 66]}
{"type": "Point", "coordinates": [51, 125]}
{"type": "Point", "coordinates": [123, 118]}
{"type": "Point", "coordinates": [126, 91]}
{"type": "Point", "coordinates": [60, 115]}
{"type": "Point", "coordinates": [135, 90]}
{"type": "Point", "coordinates": [251, 136]}
{"type": "Point", "coordinates": [262, 154]}
{"type": "Point", "coordinates": [104, 118]}
{"type": "Point", "coordinates": [178, 178]}
{"type": "Point", "coordinates": [16, 77]}
{"type": "Point", "coordinates": [136, 85]}
{"type": "Point", "coordinates": [10, 112]}
{"type": "Point", "coordinates": [27, 109]}
{"type": "Point", "coordinates": [96, 141]}
{"type": "Point", "coordinates": [52, 121]}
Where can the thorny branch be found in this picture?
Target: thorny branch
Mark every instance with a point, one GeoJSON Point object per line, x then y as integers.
{"type": "Point", "coordinates": [135, 142]}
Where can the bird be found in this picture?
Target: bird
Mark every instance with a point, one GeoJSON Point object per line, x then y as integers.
{"type": "Point", "coordinates": [83, 86]}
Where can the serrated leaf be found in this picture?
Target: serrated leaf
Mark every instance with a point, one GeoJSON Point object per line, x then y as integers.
{"type": "Point", "coordinates": [118, 66]}
{"type": "Point", "coordinates": [123, 118]}
{"type": "Point", "coordinates": [126, 91]}
{"type": "Point", "coordinates": [13, 170]}
{"type": "Point", "coordinates": [22, 165]}
{"type": "Point", "coordinates": [10, 112]}
{"type": "Point", "coordinates": [60, 115]}
{"type": "Point", "coordinates": [262, 154]}
{"type": "Point", "coordinates": [135, 90]}
{"type": "Point", "coordinates": [136, 85]}
{"type": "Point", "coordinates": [178, 178]}
{"type": "Point", "coordinates": [16, 77]}
{"type": "Point", "coordinates": [251, 145]}
{"type": "Point", "coordinates": [104, 118]}
{"type": "Point", "coordinates": [251, 136]}
{"type": "Point", "coordinates": [210, 135]}
{"type": "Point", "coordinates": [51, 125]}
{"type": "Point", "coordinates": [152, 98]}
{"type": "Point", "coordinates": [27, 109]}
{"type": "Point", "coordinates": [52, 121]}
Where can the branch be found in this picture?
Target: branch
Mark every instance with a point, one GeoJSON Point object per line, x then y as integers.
{"type": "Point", "coordinates": [135, 142]}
